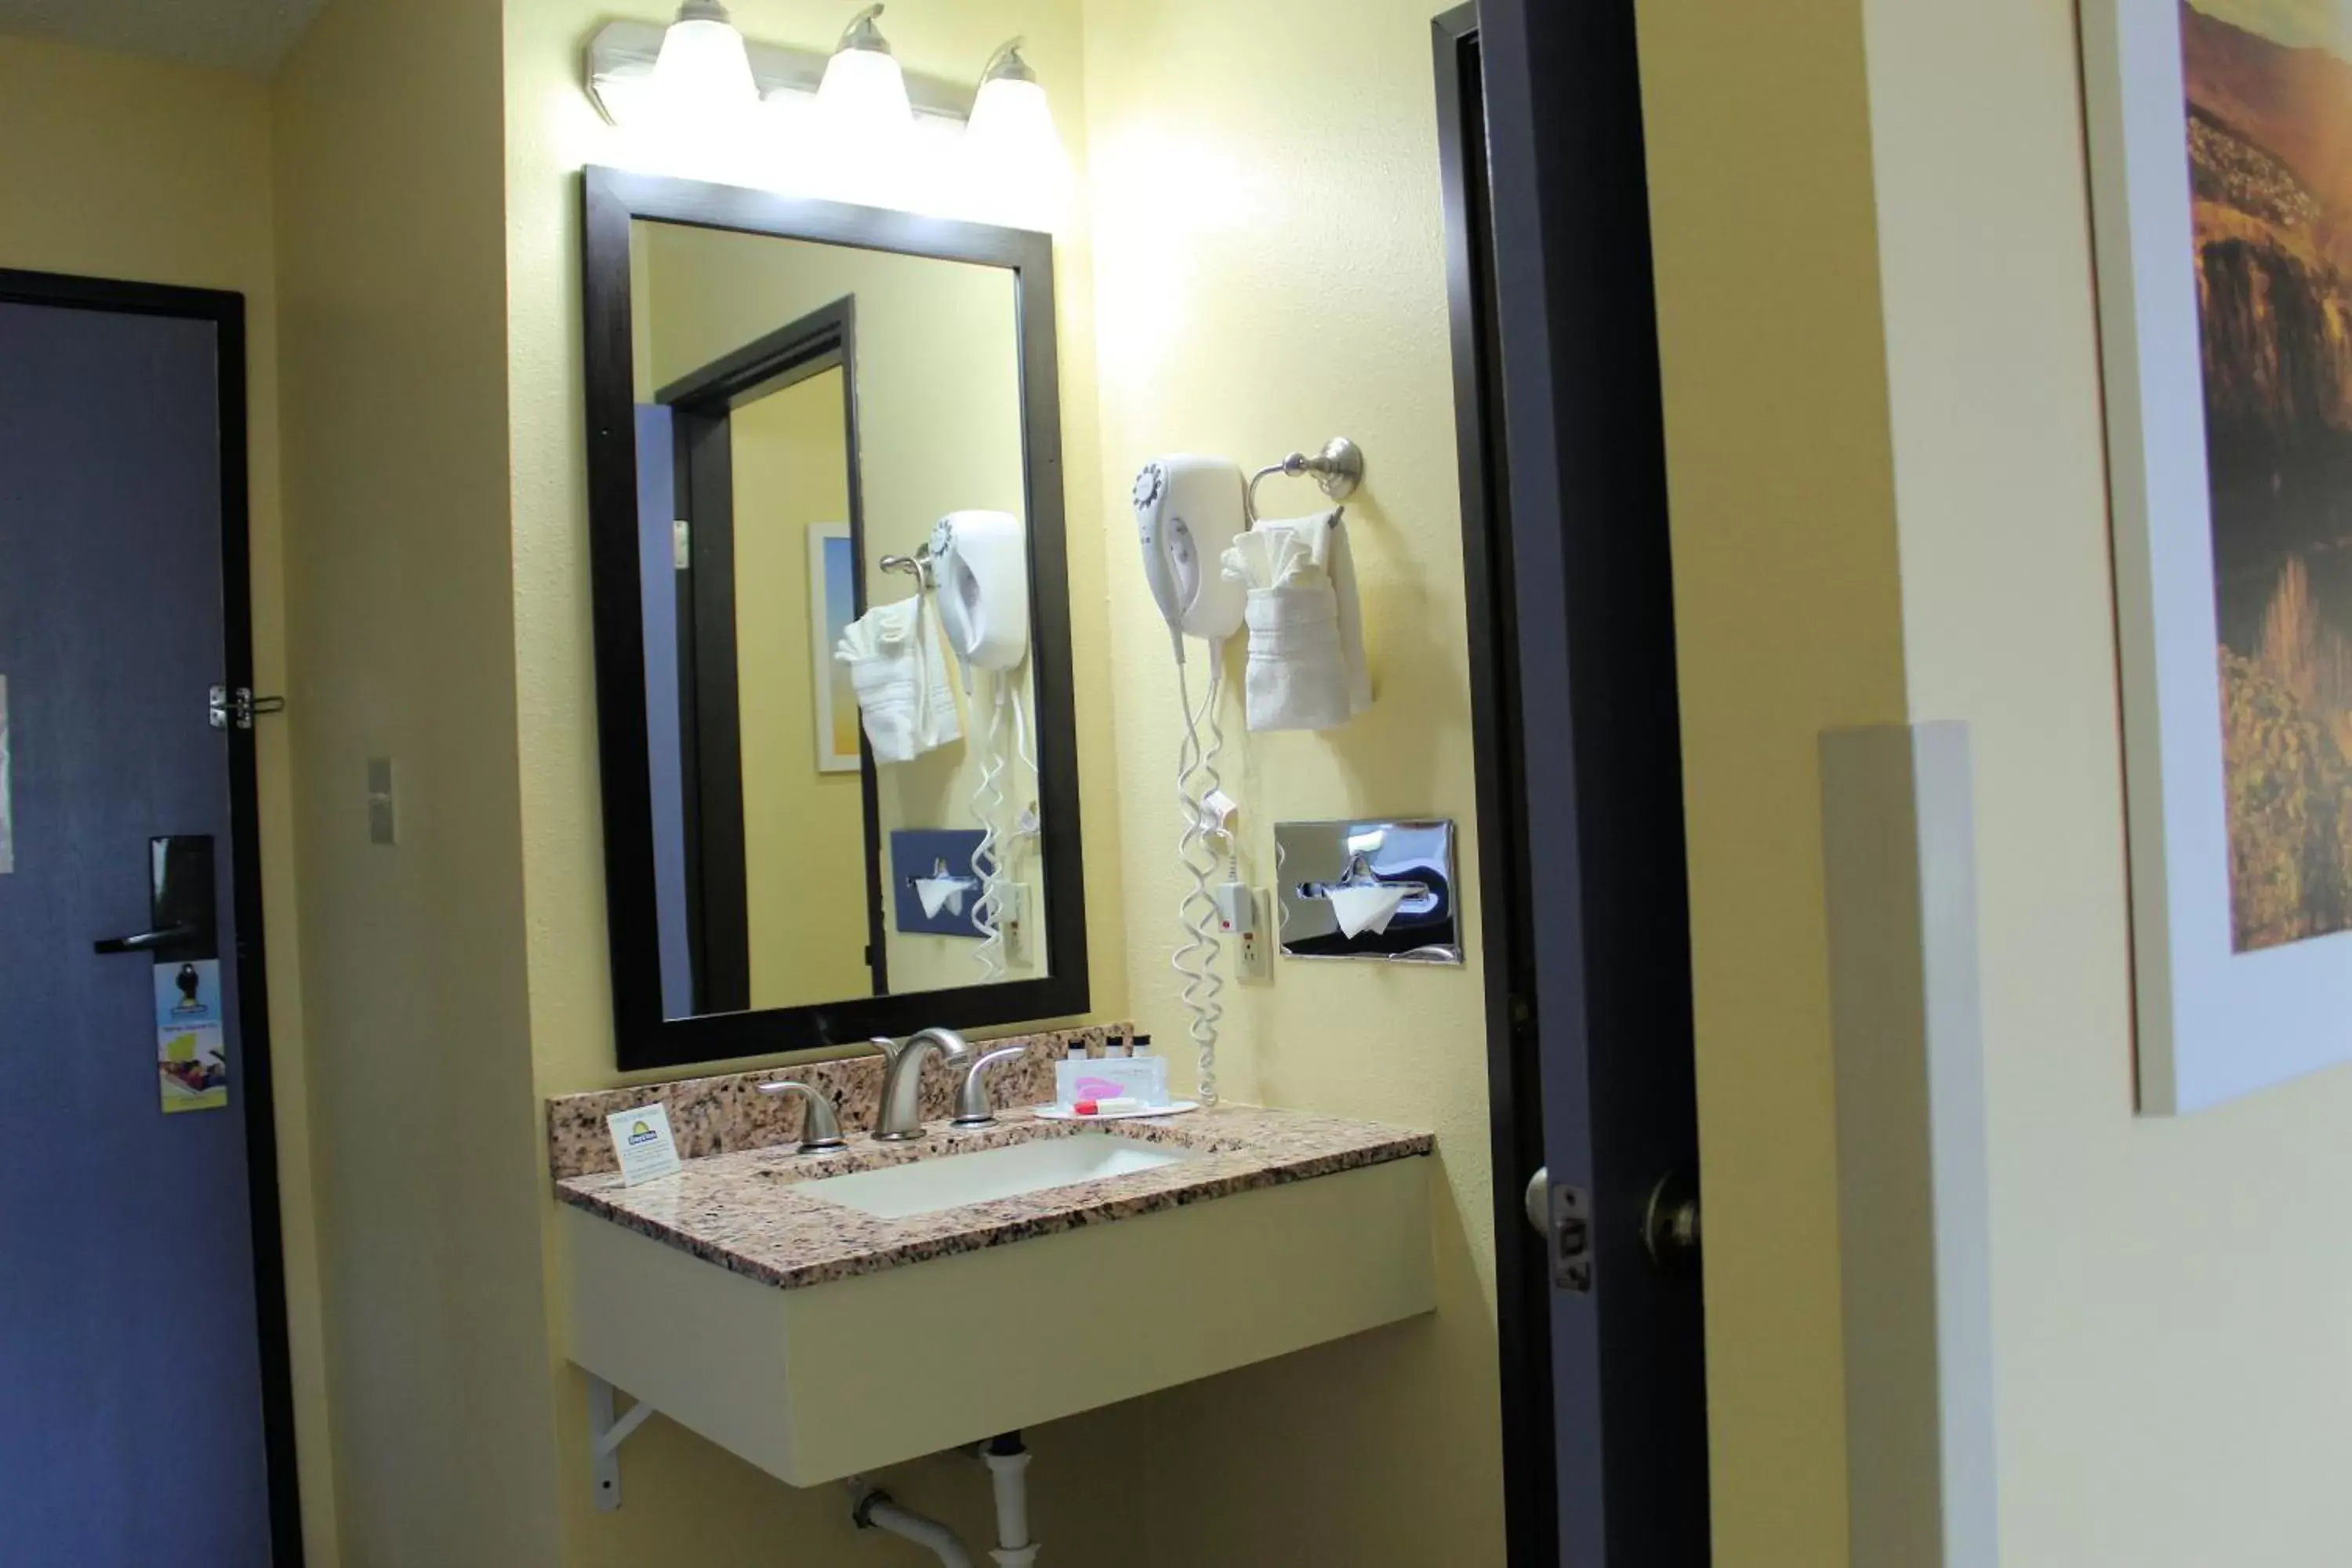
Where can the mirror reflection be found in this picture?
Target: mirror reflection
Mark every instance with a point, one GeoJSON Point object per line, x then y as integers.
{"type": "Point", "coordinates": [836, 568]}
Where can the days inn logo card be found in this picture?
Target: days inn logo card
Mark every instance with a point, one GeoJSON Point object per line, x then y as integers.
{"type": "Point", "coordinates": [642, 1139]}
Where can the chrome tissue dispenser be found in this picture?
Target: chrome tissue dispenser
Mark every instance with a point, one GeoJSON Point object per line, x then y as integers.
{"type": "Point", "coordinates": [1394, 878]}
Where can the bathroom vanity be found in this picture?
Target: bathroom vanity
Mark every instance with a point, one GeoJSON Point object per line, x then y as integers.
{"type": "Point", "coordinates": [808, 422]}
{"type": "Point", "coordinates": [827, 1313]}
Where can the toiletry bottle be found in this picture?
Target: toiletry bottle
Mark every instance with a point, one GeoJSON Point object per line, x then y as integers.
{"type": "Point", "coordinates": [1066, 1073]}
{"type": "Point", "coordinates": [1150, 1075]}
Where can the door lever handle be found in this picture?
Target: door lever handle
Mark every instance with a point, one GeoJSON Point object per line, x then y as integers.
{"type": "Point", "coordinates": [145, 940]}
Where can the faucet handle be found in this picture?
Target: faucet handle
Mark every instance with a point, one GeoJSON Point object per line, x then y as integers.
{"type": "Point", "coordinates": [820, 1123]}
{"type": "Point", "coordinates": [972, 1107]}
{"type": "Point", "coordinates": [888, 1047]}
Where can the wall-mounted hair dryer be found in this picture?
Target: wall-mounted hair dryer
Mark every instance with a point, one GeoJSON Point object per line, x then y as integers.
{"type": "Point", "coordinates": [980, 560]}
{"type": "Point", "coordinates": [1187, 511]}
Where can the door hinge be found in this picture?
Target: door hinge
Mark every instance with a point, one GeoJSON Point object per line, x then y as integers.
{"type": "Point", "coordinates": [1562, 1215]}
{"type": "Point", "coordinates": [240, 706]}
{"type": "Point", "coordinates": [681, 544]}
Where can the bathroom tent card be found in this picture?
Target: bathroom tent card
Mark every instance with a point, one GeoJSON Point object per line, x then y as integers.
{"type": "Point", "coordinates": [191, 1042]}
{"type": "Point", "coordinates": [642, 1139]}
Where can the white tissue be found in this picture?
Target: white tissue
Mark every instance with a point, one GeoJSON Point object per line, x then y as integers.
{"type": "Point", "coordinates": [1366, 909]}
{"type": "Point", "coordinates": [940, 893]}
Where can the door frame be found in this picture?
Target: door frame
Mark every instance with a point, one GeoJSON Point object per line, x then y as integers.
{"type": "Point", "coordinates": [702, 404]}
{"type": "Point", "coordinates": [1514, 1069]}
{"type": "Point", "coordinates": [225, 311]}
{"type": "Point", "coordinates": [1568, 551]}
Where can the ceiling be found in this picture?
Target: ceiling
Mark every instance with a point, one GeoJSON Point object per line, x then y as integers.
{"type": "Point", "coordinates": [249, 35]}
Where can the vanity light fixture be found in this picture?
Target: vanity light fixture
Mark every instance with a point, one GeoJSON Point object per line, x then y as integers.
{"type": "Point", "coordinates": [891, 136]}
{"type": "Point", "coordinates": [1011, 143]}
{"type": "Point", "coordinates": [864, 94]}
{"type": "Point", "coordinates": [704, 71]}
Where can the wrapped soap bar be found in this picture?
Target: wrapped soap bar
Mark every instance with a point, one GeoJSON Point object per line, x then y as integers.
{"type": "Point", "coordinates": [1112, 1077]}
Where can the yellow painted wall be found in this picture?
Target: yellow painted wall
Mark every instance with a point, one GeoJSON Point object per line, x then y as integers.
{"type": "Point", "coordinates": [803, 830]}
{"type": "Point", "coordinates": [1890, 503]}
{"type": "Point", "coordinates": [430, 1183]}
{"type": "Point", "coordinates": [1781, 490]}
{"type": "Point", "coordinates": [685, 1495]}
{"type": "Point", "coordinates": [1270, 273]}
{"type": "Point", "coordinates": [115, 167]}
{"type": "Point", "coordinates": [2162, 1405]}
{"type": "Point", "coordinates": [938, 399]}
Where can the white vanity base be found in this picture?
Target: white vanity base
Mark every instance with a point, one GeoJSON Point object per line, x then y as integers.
{"type": "Point", "coordinates": [822, 1381]}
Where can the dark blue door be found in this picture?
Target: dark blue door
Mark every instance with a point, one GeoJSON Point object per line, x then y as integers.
{"type": "Point", "coordinates": [1561, 438]}
{"type": "Point", "coordinates": [131, 1409]}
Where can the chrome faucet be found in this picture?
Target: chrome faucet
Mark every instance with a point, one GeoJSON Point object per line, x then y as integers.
{"type": "Point", "coordinates": [900, 1120]}
{"type": "Point", "coordinates": [974, 1106]}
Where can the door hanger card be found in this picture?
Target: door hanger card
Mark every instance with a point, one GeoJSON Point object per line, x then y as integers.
{"type": "Point", "coordinates": [191, 1044]}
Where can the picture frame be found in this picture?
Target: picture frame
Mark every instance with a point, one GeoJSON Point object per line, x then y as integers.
{"type": "Point", "coordinates": [2237, 724]}
{"type": "Point", "coordinates": [833, 605]}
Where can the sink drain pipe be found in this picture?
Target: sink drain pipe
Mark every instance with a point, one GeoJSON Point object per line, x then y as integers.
{"type": "Point", "coordinates": [1007, 1459]}
{"type": "Point", "coordinates": [875, 1511]}
{"type": "Point", "coordinates": [1008, 1465]}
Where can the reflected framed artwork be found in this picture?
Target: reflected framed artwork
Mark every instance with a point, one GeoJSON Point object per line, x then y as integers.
{"type": "Point", "coordinates": [2223, 204]}
{"type": "Point", "coordinates": [833, 605]}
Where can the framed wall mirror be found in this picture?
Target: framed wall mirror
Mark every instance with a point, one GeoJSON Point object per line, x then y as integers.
{"type": "Point", "coordinates": [832, 622]}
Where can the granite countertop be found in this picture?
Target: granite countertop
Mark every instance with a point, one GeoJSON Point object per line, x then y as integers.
{"type": "Point", "coordinates": [743, 1211]}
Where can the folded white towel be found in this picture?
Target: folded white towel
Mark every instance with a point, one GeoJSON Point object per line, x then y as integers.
{"type": "Point", "coordinates": [900, 678]}
{"type": "Point", "coordinates": [1296, 677]}
{"type": "Point", "coordinates": [1307, 666]}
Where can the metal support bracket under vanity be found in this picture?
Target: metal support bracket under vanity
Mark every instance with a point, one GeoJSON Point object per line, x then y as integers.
{"type": "Point", "coordinates": [605, 1435]}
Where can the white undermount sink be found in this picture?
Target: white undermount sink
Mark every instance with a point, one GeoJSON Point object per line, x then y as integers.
{"type": "Point", "coordinates": [951, 1181]}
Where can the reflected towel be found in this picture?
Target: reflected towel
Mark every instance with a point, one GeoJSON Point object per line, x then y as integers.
{"type": "Point", "coordinates": [900, 677]}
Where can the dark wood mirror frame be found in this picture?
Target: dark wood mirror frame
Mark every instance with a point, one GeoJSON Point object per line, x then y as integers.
{"type": "Point", "coordinates": [643, 1038]}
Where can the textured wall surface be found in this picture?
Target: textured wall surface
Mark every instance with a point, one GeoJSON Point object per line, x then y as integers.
{"type": "Point", "coordinates": [401, 643]}
{"type": "Point", "coordinates": [1788, 621]}
{"type": "Point", "coordinates": [112, 167]}
{"type": "Point", "coordinates": [1268, 274]}
{"type": "Point", "coordinates": [804, 829]}
{"type": "Point", "coordinates": [2170, 1297]}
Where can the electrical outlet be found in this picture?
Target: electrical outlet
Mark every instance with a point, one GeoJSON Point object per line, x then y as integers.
{"type": "Point", "coordinates": [382, 809]}
{"type": "Point", "coordinates": [1253, 951]}
{"type": "Point", "coordinates": [1015, 925]}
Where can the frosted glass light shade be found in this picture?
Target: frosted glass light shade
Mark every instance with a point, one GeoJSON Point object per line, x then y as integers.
{"type": "Point", "coordinates": [703, 71]}
{"type": "Point", "coordinates": [863, 96]}
{"type": "Point", "coordinates": [1013, 151]}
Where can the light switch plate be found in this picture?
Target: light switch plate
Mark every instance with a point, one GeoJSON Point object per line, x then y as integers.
{"type": "Point", "coordinates": [383, 812]}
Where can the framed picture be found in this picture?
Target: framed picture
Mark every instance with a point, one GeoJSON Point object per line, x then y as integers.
{"type": "Point", "coordinates": [833, 605]}
{"type": "Point", "coordinates": [2221, 189]}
